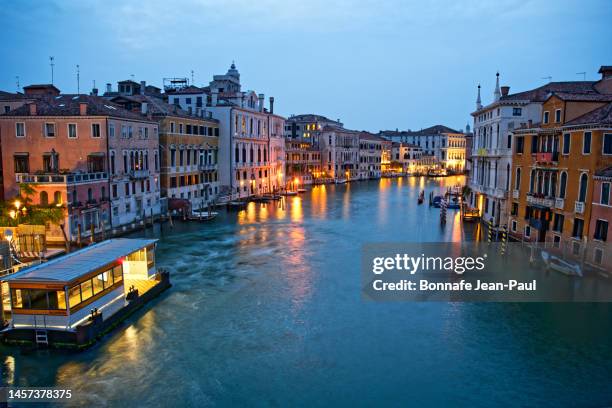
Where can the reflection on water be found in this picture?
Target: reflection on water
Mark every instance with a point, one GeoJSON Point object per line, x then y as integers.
{"type": "Point", "coordinates": [266, 310]}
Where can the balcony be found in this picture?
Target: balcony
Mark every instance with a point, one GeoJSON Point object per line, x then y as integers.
{"type": "Point", "coordinates": [579, 207]}
{"type": "Point", "coordinates": [55, 178]}
{"type": "Point", "coordinates": [207, 167]}
{"type": "Point", "coordinates": [538, 199]}
{"type": "Point", "coordinates": [559, 203]}
{"type": "Point", "coordinates": [547, 157]}
{"type": "Point", "coordinates": [139, 174]}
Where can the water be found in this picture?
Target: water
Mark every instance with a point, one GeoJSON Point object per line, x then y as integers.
{"type": "Point", "coordinates": [266, 310]}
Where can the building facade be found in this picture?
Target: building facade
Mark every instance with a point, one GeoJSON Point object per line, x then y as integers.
{"type": "Point", "coordinates": [339, 153]}
{"type": "Point", "coordinates": [83, 153]}
{"type": "Point", "coordinates": [370, 156]}
{"type": "Point", "coordinates": [558, 164]}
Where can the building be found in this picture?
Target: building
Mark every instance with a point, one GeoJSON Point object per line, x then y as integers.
{"type": "Point", "coordinates": [247, 133]}
{"type": "Point", "coordinates": [303, 147]}
{"type": "Point", "coordinates": [188, 148]}
{"type": "Point", "coordinates": [445, 145]}
{"type": "Point", "coordinates": [409, 158]}
{"type": "Point", "coordinates": [491, 153]}
{"type": "Point", "coordinates": [386, 157]}
{"type": "Point", "coordinates": [339, 153]}
{"type": "Point", "coordinates": [370, 156]}
{"type": "Point", "coordinates": [556, 166]}
{"type": "Point", "coordinates": [85, 153]}
{"type": "Point", "coordinates": [600, 254]}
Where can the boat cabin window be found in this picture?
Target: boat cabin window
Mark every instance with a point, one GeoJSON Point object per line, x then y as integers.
{"type": "Point", "coordinates": [97, 284]}
{"type": "Point", "coordinates": [38, 299]}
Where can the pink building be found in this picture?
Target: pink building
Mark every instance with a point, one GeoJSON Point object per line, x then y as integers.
{"type": "Point", "coordinates": [85, 153]}
{"type": "Point", "coordinates": [600, 254]}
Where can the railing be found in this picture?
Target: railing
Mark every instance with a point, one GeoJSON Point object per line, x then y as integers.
{"type": "Point", "coordinates": [68, 178]}
{"type": "Point", "coordinates": [539, 200]}
{"type": "Point", "coordinates": [547, 157]}
{"type": "Point", "coordinates": [139, 174]}
{"type": "Point", "coordinates": [204, 167]}
{"type": "Point", "coordinates": [579, 207]}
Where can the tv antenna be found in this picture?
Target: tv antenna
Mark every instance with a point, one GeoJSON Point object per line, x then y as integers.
{"type": "Point", "coordinates": [17, 79]}
{"type": "Point", "coordinates": [583, 75]}
{"type": "Point", "coordinates": [78, 72]}
{"type": "Point", "coordinates": [547, 77]}
{"type": "Point", "coordinates": [192, 82]}
{"type": "Point", "coordinates": [52, 63]}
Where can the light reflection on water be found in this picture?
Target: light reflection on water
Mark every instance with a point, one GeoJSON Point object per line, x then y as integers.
{"type": "Point", "coordinates": [266, 310]}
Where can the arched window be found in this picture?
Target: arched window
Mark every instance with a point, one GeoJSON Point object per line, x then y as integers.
{"type": "Point", "coordinates": [74, 197]}
{"type": "Point", "coordinates": [508, 176]}
{"type": "Point", "coordinates": [243, 154]}
{"type": "Point", "coordinates": [237, 154]}
{"type": "Point", "coordinates": [553, 185]}
{"type": "Point", "coordinates": [251, 154]}
{"type": "Point", "coordinates": [44, 198]}
{"type": "Point", "coordinates": [57, 197]}
{"type": "Point", "coordinates": [102, 193]}
{"type": "Point", "coordinates": [265, 154]}
{"type": "Point", "coordinates": [563, 185]}
{"type": "Point", "coordinates": [532, 181]}
{"type": "Point", "coordinates": [517, 182]}
{"type": "Point", "coordinates": [259, 154]}
{"type": "Point", "coordinates": [583, 188]}
{"type": "Point", "coordinates": [89, 194]}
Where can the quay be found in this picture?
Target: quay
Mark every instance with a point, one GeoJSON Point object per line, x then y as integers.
{"type": "Point", "coordinates": [72, 301]}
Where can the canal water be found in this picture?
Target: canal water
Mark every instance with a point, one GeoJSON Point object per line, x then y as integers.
{"type": "Point", "coordinates": [266, 310]}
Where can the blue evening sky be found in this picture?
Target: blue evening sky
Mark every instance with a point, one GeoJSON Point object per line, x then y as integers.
{"type": "Point", "coordinates": [375, 64]}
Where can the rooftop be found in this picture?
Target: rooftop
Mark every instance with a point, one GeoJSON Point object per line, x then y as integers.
{"type": "Point", "coordinates": [599, 116]}
{"type": "Point", "coordinates": [76, 264]}
{"type": "Point", "coordinates": [69, 105]}
{"type": "Point", "coordinates": [158, 107]}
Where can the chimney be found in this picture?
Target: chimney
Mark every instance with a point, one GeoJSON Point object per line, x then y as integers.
{"type": "Point", "coordinates": [606, 71]}
{"type": "Point", "coordinates": [505, 90]}
{"type": "Point", "coordinates": [261, 102]}
{"type": "Point", "coordinates": [530, 122]}
{"type": "Point", "coordinates": [143, 85]}
{"type": "Point", "coordinates": [82, 108]}
{"type": "Point", "coordinates": [272, 105]}
{"type": "Point", "coordinates": [144, 108]}
{"type": "Point", "coordinates": [32, 109]}
{"type": "Point", "coordinates": [94, 91]}
{"type": "Point", "coordinates": [109, 88]}
{"type": "Point", "coordinates": [214, 97]}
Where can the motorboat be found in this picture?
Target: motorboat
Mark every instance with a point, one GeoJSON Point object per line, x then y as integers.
{"type": "Point", "coordinates": [202, 215]}
{"type": "Point", "coordinates": [557, 264]}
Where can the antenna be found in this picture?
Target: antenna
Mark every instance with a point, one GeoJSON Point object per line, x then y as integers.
{"type": "Point", "coordinates": [52, 63]}
{"type": "Point", "coordinates": [132, 75]}
{"type": "Point", "coordinates": [583, 75]}
{"type": "Point", "coordinates": [192, 81]}
{"type": "Point", "coordinates": [78, 79]}
{"type": "Point", "coordinates": [547, 77]}
{"type": "Point", "coordinates": [17, 78]}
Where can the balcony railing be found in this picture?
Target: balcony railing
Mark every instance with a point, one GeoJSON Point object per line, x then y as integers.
{"type": "Point", "coordinates": [579, 207]}
{"type": "Point", "coordinates": [541, 200]}
{"type": "Point", "coordinates": [205, 167]}
{"type": "Point", "coordinates": [68, 178]}
{"type": "Point", "coordinates": [547, 157]}
{"type": "Point", "coordinates": [139, 174]}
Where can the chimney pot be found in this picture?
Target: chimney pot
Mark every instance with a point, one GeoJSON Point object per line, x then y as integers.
{"type": "Point", "coordinates": [505, 90]}
{"type": "Point", "coordinates": [32, 109]}
{"type": "Point", "coordinates": [272, 105]}
{"type": "Point", "coordinates": [109, 88]}
{"type": "Point", "coordinates": [83, 108]}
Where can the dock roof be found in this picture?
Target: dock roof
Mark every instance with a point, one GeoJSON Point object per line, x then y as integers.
{"type": "Point", "coordinates": [76, 264]}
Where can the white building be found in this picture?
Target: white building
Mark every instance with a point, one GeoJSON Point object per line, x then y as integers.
{"type": "Point", "coordinates": [251, 155]}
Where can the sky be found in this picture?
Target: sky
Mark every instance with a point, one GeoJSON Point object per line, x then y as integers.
{"type": "Point", "coordinates": [373, 64]}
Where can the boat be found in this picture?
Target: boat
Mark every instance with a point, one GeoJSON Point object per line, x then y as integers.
{"type": "Point", "coordinates": [203, 215]}
{"type": "Point", "coordinates": [437, 173]}
{"type": "Point", "coordinates": [436, 202]}
{"type": "Point", "coordinates": [289, 193]}
{"type": "Point", "coordinates": [340, 181]}
{"type": "Point", "coordinates": [236, 205]}
{"type": "Point", "coordinates": [301, 190]}
{"type": "Point", "coordinates": [557, 264]}
{"type": "Point", "coordinates": [421, 197]}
